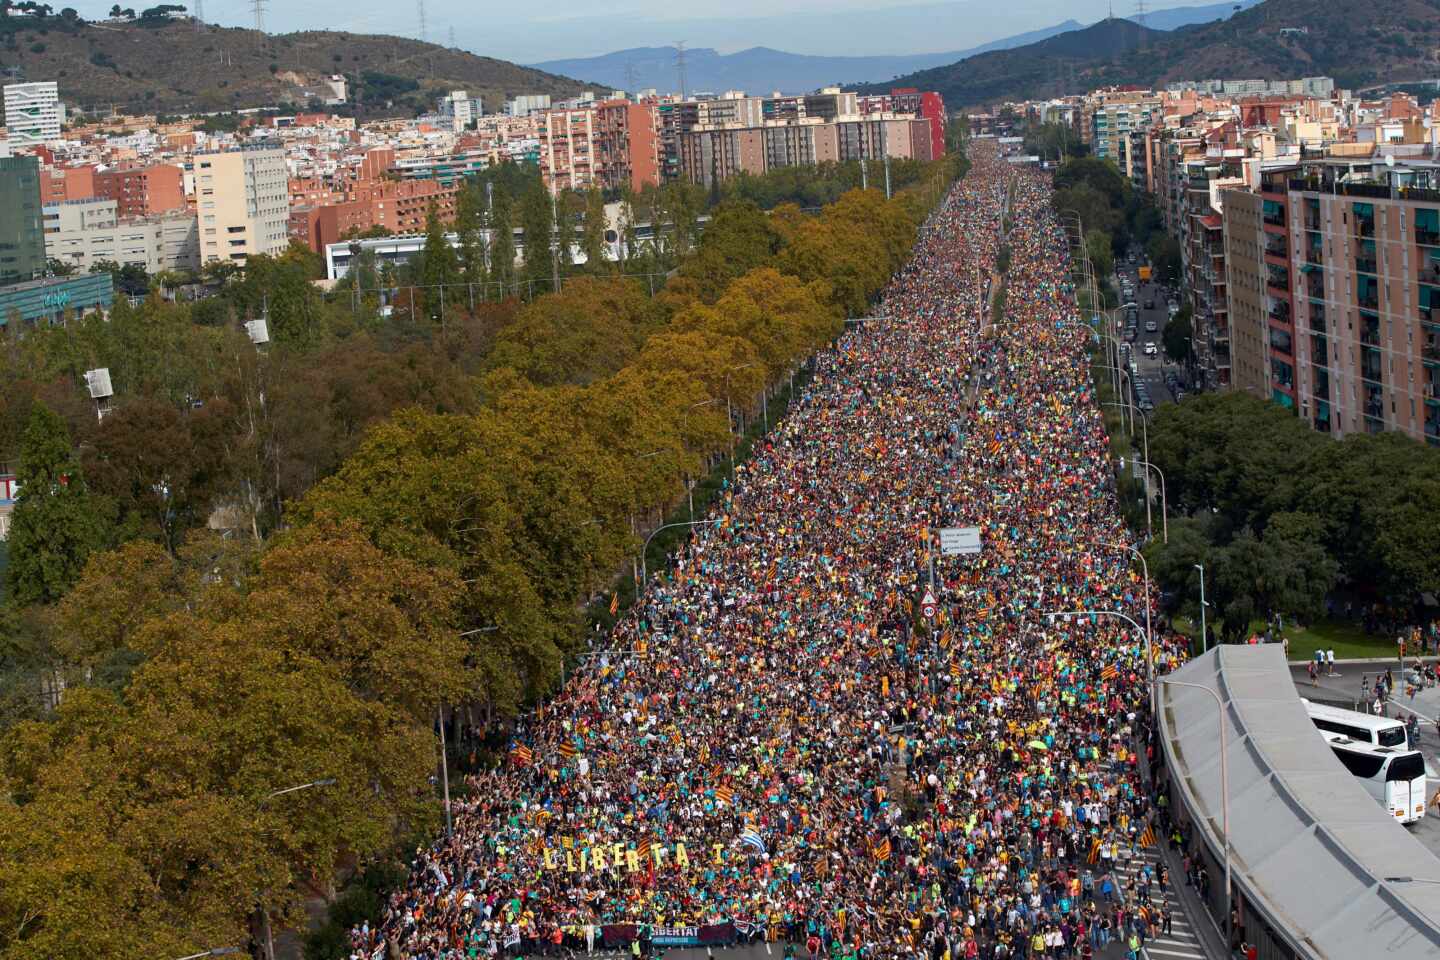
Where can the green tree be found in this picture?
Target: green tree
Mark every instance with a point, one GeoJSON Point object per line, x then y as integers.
{"type": "Point", "coordinates": [438, 266]}
{"type": "Point", "coordinates": [592, 235]}
{"type": "Point", "coordinates": [1177, 336]}
{"type": "Point", "coordinates": [57, 522]}
{"type": "Point", "coordinates": [537, 217]}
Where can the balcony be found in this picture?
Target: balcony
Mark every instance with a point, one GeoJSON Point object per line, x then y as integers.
{"type": "Point", "coordinates": [1429, 273]}
{"type": "Point", "coordinates": [1315, 286]}
{"type": "Point", "coordinates": [1275, 219]}
{"type": "Point", "coordinates": [1427, 238]}
{"type": "Point", "coordinates": [1364, 227]}
{"type": "Point", "coordinates": [1280, 313]}
{"type": "Point", "coordinates": [1314, 255]}
{"type": "Point", "coordinates": [1275, 246]}
{"type": "Point", "coordinates": [1366, 265]}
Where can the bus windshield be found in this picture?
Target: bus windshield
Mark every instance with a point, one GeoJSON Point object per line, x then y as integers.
{"type": "Point", "coordinates": [1411, 766]}
{"type": "Point", "coordinates": [1391, 737]}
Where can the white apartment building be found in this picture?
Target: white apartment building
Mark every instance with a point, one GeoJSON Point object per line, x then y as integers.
{"type": "Point", "coordinates": [243, 201]}
{"type": "Point", "coordinates": [85, 232]}
{"type": "Point", "coordinates": [33, 113]}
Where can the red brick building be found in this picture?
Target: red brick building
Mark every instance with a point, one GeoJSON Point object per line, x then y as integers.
{"type": "Point", "coordinates": [142, 191]}
{"type": "Point", "coordinates": [398, 206]}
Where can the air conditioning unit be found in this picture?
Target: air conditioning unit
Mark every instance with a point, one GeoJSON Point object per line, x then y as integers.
{"type": "Point", "coordinates": [258, 330]}
{"type": "Point", "coordinates": [98, 382]}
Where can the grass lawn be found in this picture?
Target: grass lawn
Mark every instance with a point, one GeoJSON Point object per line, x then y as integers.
{"type": "Point", "coordinates": [1347, 639]}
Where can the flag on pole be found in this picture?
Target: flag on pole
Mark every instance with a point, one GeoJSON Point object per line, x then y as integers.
{"type": "Point", "coordinates": [614, 604]}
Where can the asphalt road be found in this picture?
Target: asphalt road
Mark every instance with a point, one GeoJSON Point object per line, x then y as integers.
{"type": "Point", "coordinates": [1344, 684]}
{"type": "Point", "coordinates": [1152, 369]}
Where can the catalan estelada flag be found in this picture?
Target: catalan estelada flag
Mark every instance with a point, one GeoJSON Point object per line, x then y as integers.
{"type": "Point", "coordinates": [880, 851]}
{"type": "Point", "coordinates": [522, 755]}
{"type": "Point", "coordinates": [1147, 839]}
{"type": "Point", "coordinates": [614, 604]}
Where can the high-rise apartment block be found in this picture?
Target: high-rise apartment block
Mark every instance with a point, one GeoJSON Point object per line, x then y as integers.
{"type": "Point", "coordinates": [1345, 329]}
{"type": "Point", "coordinates": [243, 201]}
{"type": "Point", "coordinates": [22, 240]}
{"type": "Point", "coordinates": [33, 113]}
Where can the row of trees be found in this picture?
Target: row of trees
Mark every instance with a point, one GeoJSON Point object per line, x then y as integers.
{"type": "Point", "coordinates": [1282, 516]}
{"type": "Point", "coordinates": [416, 504]}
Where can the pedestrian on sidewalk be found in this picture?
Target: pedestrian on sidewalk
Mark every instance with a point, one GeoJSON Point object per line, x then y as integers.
{"type": "Point", "coordinates": [1311, 670]}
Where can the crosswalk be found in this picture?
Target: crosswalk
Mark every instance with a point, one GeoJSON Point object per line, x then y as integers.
{"type": "Point", "coordinates": [1182, 942]}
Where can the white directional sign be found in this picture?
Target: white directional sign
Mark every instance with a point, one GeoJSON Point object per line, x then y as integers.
{"type": "Point", "coordinates": [959, 540]}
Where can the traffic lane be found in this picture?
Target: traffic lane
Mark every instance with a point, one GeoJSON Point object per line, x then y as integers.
{"type": "Point", "coordinates": [1342, 687]}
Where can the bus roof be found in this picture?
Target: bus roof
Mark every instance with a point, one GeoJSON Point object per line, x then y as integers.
{"type": "Point", "coordinates": [1352, 717]}
{"type": "Point", "coordinates": [1360, 746]}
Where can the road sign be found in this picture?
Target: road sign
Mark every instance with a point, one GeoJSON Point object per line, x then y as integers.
{"type": "Point", "coordinates": [959, 540]}
{"type": "Point", "coordinates": [927, 604]}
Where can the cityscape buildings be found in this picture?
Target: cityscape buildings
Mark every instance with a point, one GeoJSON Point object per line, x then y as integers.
{"type": "Point", "coordinates": [33, 114]}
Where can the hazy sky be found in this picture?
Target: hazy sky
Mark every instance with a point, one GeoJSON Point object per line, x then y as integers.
{"type": "Point", "coordinates": [531, 32]}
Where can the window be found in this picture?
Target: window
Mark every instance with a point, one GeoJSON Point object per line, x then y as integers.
{"type": "Point", "coordinates": [1363, 765]}
{"type": "Point", "coordinates": [1411, 766]}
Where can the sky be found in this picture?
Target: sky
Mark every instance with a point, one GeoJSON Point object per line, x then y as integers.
{"type": "Point", "coordinates": [534, 32]}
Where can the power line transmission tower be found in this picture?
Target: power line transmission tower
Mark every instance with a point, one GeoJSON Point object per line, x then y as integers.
{"type": "Point", "coordinates": [631, 83]}
{"type": "Point", "coordinates": [199, 14]}
{"type": "Point", "coordinates": [258, 6]}
{"type": "Point", "coordinates": [1140, 12]}
{"type": "Point", "coordinates": [421, 5]}
{"type": "Point", "coordinates": [453, 45]}
{"type": "Point", "coordinates": [680, 65]}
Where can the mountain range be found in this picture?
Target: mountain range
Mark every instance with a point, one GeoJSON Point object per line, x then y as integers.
{"type": "Point", "coordinates": [1357, 42]}
{"type": "Point", "coordinates": [171, 67]}
{"type": "Point", "coordinates": [763, 70]}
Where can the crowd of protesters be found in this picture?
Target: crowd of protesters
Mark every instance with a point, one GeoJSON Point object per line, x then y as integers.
{"type": "Point", "coordinates": [800, 751]}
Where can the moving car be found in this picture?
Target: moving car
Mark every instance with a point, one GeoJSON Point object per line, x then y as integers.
{"type": "Point", "coordinates": [1149, 303]}
{"type": "Point", "coordinates": [1151, 326]}
{"type": "Point", "coordinates": [1150, 349]}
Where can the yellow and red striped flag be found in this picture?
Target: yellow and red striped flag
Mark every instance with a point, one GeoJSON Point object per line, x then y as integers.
{"type": "Point", "coordinates": [724, 795]}
{"type": "Point", "coordinates": [522, 755]}
{"type": "Point", "coordinates": [1147, 839]}
{"type": "Point", "coordinates": [881, 851]}
{"type": "Point", "coordinates": [614, 604]}
{"type": "Point", "coordinates": [1109, 673]}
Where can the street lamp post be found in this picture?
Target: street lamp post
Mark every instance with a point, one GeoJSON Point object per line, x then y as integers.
{"type": "Point", "coordinates": [1164, 504]}
{"type": "Point", "coordinates": [1204, 637]}
{"type": "Point", "coordinates": [644, 570]}
{"type": "Point", "coordinates": [261, 912]}
{"type": "Point", "coordinates": [1224, 799]}
{"type": "Point", "coordinates": [1145, 567]}
{"type": "Point", "coordinates": [1145, 637]}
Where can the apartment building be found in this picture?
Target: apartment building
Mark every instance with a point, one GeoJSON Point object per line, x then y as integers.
{"type": "Point", "coordinates": [58, 184]}
{"type": "Point", "coordinates": [706, 156]}
{"type": "Point", "coordinates": [402, 207]}
{"type": "Point", "coordinates": [567, 149]}
{"type": "Point", "coordinates": [83, 233]}
{"type": "Point", "coordinates": [243, 201]}
{"type": "Point", "coordinates": [627, 144]}
{"type": "Point", "coordinates": [33, 113]}
{"type": "Point", "coordinates": [22, 239]}
{"type": "Point", "coordinates": [142, 191]}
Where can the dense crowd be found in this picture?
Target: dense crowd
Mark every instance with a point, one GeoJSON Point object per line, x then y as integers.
{"type": "Point", "coordinates": [800, 751]}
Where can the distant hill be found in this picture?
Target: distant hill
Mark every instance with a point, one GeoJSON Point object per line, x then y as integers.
{"type": "Point", "coordinates": [172, 67]}
{"type": "Point", "coordinates": [1357, 42]}
{"type": "Point", "coordinates": [761, 70]}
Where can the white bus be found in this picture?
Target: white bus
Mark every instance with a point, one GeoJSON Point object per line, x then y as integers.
{"type": "Point", "coordinates": [1360, 727]}
{"type": "Point", "coordinates": [1395, 776]}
